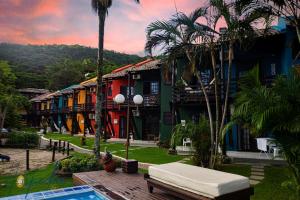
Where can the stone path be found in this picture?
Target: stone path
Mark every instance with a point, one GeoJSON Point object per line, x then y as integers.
{"type": "Point", "coordinates": [17, 164]}
{"type": "Point", "coordinates": [257, 174]}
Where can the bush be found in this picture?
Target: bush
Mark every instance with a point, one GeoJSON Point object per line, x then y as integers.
{"type": "Point", "coordinates": [79, 164]}
{"type": "Point", "coordinates": [22, 140]}
{"type": "Point", "coordinates": [200, 136]}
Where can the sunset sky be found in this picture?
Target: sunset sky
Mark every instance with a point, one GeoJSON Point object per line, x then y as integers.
{"type": "Point", "coordinates": [73, 22]}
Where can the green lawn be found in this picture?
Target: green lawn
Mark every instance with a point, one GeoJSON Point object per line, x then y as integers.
{"type": "Point", "coordinates": [153, 155]}
{"type": "Point", "coordinates": [36, 180]}
{"type": "Point", "coordinates": [270, 187]}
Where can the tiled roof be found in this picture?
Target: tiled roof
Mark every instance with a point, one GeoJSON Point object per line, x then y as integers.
{"type": "Point", "coordinates": [33, 90]}
{"type": "Point", "coordinates": [90, 82]}
{"type": "Point", "coordinates": [144, 65]}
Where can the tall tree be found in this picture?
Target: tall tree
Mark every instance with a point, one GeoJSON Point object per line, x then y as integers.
{"type": "Point", "coordinates": [9, 99]}
{"type": "Point", "coordinates": [101, 9]}
{"type": "Point", "coordinates": [241, 26]}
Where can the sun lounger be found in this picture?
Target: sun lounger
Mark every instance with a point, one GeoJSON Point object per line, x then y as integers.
{"type": "Point", "coordinates": [4, 158]}
{"type": "Point", "coordinates": [191, 182]}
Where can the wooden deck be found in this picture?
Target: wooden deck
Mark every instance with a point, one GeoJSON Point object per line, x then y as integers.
{"type": "Point", "coordinates": [119, 184]}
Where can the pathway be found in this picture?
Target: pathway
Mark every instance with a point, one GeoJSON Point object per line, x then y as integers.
{"type": "Point", "coordinates": [17, 164]}
{"type": "Point", "coordinates": [257, 174]}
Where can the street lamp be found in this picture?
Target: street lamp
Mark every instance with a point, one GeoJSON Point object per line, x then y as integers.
{"type": "Point", "coordinates": [119, 99]}
{"type": "Point", "coordinates": [138, 100]}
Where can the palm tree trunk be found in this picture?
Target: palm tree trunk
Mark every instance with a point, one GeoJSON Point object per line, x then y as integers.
{"type": "Point", "coordinates": [211, 123]}
{"type": "Point", "coordinates": [298, 33]}
{"type": "Point", "coordinates": [213, 59]}
{"type": "Point", "coordinates": [101, 15]}
{"type": "Point", "coordinates": [230, 58]}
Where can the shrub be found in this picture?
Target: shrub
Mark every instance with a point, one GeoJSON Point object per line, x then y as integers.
{"type": "Point", "coordinates": [79, 164]}
{"type": "Point", "coordinates": [200, 136]}
{"type": "Point", "coordinates": [22, 140]}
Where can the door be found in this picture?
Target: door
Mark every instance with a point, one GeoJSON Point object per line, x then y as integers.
{"type": "Point", "coordinates": [150, 126]}
{"type": "Point", "coordinates": [122, 127]}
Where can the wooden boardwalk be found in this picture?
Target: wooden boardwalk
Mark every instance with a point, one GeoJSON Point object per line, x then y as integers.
{"type": "Point", "coordinates": [130, 186]}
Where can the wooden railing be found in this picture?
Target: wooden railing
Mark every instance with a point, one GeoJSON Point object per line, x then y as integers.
{"type": "Point", "coordinates": [151, 100]}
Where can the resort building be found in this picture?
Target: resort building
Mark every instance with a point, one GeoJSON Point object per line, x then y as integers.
{"type": "Point", "coordinates": [171, 95]}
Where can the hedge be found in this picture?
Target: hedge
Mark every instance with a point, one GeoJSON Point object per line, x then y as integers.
{"type": "Point", "coordinates": [22, 140]}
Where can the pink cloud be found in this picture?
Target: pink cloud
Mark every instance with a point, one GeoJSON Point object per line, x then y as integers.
{"type": "Point", "coordinates": [73, 22]}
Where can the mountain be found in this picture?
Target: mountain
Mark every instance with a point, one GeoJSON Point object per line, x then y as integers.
{"type": "Point", "coordinates": [37, 56]}
{"type": "Point", "coordinates": [35, 64]}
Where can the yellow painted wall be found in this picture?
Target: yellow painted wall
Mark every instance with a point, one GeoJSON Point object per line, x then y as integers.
{"type": "Point", "coordinates": [69, 124]}
{"type": "Point", "coordinates": [80, 120]}
{"type": "Point", "coordinates": [43, 105]}
{"type": "Point", "coordinates": [48, 104]}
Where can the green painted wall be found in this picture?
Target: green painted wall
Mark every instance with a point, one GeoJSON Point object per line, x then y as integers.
{"type": "Point", "coordinates": [138, 89]}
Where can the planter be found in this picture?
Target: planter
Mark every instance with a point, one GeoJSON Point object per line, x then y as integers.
{"type": "Point", "coordinates": [130, 166]}
{"type": "Point", "coordinates": [110, 166]}
{"type": "Point", "coordinates": [63, 174]}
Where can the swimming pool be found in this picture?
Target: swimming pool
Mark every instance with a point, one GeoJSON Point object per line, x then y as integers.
{"type": "Point", "coordinates": [83, 192]}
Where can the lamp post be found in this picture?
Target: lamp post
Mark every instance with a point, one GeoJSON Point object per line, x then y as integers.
{"type": "Point", "coordinates": [138, 100]}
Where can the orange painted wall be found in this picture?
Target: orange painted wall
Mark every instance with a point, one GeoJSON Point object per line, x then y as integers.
{"type": "Point", "coordinates": [81, 97]}
{"type": "Point", "coordinates": [80, 120]}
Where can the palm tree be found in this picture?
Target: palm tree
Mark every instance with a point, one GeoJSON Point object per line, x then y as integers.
{"type": "Point", "coordinates": [240, 27]}
{"type": "Point", "coordinates": [183, 35]}
{"type": "Point", "coordinates": [277, 110]}
{"type": "Point", "coordinates": [101, 9]}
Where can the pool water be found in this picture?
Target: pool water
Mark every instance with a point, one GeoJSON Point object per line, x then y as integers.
{"type": "Point", "coordinates": [82, 196]}
{"type": "Point", "coordinates": [83, 192]}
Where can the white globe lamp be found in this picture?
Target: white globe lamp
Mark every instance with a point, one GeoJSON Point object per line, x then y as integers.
{"type": "Point", "coordinates": [119, 99]}
{"type": "Point", "coordinates": [138, 99]}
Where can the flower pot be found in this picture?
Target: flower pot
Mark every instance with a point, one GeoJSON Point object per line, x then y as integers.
{"type": "Point", "coordinates": [110, 166]}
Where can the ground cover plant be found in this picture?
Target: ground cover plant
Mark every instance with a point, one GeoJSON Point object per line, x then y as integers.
{"type": "Point", "coordinates": [36, 180]}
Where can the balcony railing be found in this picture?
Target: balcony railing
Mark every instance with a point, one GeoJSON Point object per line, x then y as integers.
{"type": "Point", "coordinates": [151, 100]}
{"type": "Point", "coordinates": [194, 94]}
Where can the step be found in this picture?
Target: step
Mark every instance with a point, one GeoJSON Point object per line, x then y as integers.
{"type": "Point", "coordinates": [254, 182]}
{"type": "Point", "coordinates": [257, 178]}
{"type": "Point", "coordinates": [257, 173]}
{"type": "Point", "coordinates": [258, 166]}
{"type": "Point", "coordinates": [257, 170]}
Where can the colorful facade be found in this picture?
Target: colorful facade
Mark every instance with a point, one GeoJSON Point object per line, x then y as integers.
{"type": "Point", "coordinates": [167, 99]}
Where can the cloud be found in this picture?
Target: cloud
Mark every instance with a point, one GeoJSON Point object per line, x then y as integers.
{"type": "Point", "coordinates": [73, 22]}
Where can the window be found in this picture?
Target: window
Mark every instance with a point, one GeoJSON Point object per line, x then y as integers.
{"type": "Point", "coordinates": [151, 88]}
{"type": "Point", "coordinates": [125, 91]}
{"type": "Point", "coordinates": [154, 87]}
{"type": "Point", "coordinates": [109, 92]}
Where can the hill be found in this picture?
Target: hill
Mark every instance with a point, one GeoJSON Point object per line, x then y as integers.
{"type": "Point", "coordinates": [33, 63]}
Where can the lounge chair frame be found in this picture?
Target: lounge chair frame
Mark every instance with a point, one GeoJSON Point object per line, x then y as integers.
{"type": "Point", "coordinates": [187, 195]}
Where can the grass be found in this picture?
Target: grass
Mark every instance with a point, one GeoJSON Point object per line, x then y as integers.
{"type": "Point", "coordinates": [153, 155]}
{"type": "Point", "coordinates": [270, 187]}
{"type": "Point", "coordinates": [36, 180]}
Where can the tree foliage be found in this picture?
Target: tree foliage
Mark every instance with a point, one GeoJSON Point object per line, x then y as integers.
{"type": "Point", "coordinates": [32, 63]}
{"type": "Point", "coordinates": [273, 109]}
{"type": "Point", "coordinates": [10, 100]}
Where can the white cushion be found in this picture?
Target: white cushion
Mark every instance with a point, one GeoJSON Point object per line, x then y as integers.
{"type": "Point", "coordinates": [203, 181]}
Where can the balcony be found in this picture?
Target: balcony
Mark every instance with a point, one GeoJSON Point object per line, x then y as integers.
{"type": "Point", "coordinates": [151, 100]}
{"type": "Point", "coordinates": [192, 94]}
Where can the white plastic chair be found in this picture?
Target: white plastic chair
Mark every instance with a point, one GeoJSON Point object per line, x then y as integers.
{"type": "Point", "coordinates": [186, 141]}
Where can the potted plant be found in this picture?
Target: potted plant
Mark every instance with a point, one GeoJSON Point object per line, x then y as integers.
{"type": "Point", "coordinates": [109, 164]}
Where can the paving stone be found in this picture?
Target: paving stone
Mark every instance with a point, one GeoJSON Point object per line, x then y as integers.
{"type": "Point", "coordinates": [257, 170]}
{"type": "Point", "coordinates": [258, 166]}
{"type": "Point", "coordinates": [257, 173]}
{"type": "Point", "coordinates": [257, 178]}
{"type": "Point", "coordinates": [254, 182]}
